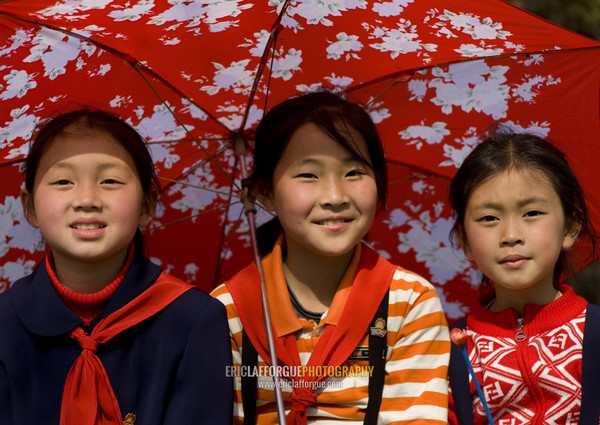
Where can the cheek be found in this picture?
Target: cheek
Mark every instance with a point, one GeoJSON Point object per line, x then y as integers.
{"type": "Point", "coordinates": [366, 195]}
{"type": "Point", "coordinates": [292, 199]}
{"type": "Point", "coordinates": [476, 241]}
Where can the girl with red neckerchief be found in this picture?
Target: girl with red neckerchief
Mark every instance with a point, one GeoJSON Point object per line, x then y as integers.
{"type": "Point", "coordinates": [319, 166]}
{"type": "Point", "coordinates": [98, 334]}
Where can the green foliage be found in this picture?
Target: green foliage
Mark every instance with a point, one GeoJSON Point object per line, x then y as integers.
{"type": "Point", "coordinates": [582, 16]}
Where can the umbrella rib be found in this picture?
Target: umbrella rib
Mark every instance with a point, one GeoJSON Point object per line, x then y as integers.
{"type": "Point", "coordinates": [133, 62]}
{"type": "Point", "coordinates": [194, 139]}
{"type": "Point", "coordinates": [269, 48]}
{"type": "Point", "coordinates": [194, 186]}
{"type": "Point", "coordinates": [224, 239]}
{"type": "Point", "coordinates": [200, 163]}
{"type": "Point", "coordinates": [191, 216]}
{"type": "Point", "coordinates": [140, 68]}
{"type": "Point", "coordinates": [418, 170]}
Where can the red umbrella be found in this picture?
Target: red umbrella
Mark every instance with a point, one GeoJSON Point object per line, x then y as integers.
{"type": "Point", "coordinates": [195, 77]}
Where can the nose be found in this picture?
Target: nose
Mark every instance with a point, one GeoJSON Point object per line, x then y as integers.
{"type": "Point", "coordinates": [512, 233]}
{"type": "Point", "coordinates": [87, 197]}
{"type": "Point", "coordinates": [333, 193]}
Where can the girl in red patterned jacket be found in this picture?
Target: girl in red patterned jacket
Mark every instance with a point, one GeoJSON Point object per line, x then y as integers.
{"type": "Point", "coordinates": [532, 342]}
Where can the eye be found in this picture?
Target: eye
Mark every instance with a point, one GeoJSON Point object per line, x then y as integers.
{"type": "Point", "coordinates": [306, 176]}
{"type": "Point", "coordinates": [356, 172]}
{"type": "Point", "coordinates": [533, 213]}
{"type": "Point", "coordinates": [487, 219]}
{"type": "Point", "coordinates": [61, 182]}
{"type": "Point", "coordinates": [110, 181]}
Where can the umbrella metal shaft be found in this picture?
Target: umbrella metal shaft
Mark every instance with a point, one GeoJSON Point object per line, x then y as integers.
{"type": "Point", "coordinates": [250, 211]}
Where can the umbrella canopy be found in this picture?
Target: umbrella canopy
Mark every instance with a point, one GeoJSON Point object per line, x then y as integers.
{"type": "Point", "coordinates": [195, 77]}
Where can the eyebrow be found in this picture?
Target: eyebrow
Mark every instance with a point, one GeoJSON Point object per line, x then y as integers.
{"type": "Point", "coordinates": [313, 161]}
{"type": "Point", "coordinates": [69, 166]}
{"type": "Point", "coordinates": [521, 203]}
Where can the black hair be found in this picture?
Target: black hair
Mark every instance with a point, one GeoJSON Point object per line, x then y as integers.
{"type": "Point", "coordinates": [332, 114]}
{"type": "Point", "coordinates": [111, 125]}
{"type": "Point", "coordinates": [503, 150]}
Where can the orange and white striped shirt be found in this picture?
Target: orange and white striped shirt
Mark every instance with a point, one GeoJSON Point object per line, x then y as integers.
{"type": "Point", "coordinates": [418, 347]}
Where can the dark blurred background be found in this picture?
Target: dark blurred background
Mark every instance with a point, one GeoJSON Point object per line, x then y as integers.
{"type": "Point", "coordinates": [582, 16]}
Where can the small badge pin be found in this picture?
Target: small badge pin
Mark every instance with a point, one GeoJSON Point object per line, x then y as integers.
{"type": "Point", "coordinates": [379, 328]}
{"type": "Point", "coordinates": [129, 419]}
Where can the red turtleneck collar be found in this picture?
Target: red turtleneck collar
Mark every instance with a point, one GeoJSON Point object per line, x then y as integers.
{"type": "Point", "coordinates": [88, 306]}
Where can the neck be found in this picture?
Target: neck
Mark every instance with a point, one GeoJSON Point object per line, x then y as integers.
{"type": "Point", "coordinates": [517, 299]}
{"type": "Point", "coordinates": [315, 279]}
{"type": "Point", "coordinates": [87, 277]}
{"type": "Point", "coordinates": [88, 305]}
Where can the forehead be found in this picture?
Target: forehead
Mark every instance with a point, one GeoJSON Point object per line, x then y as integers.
{"type": "Point", "coordinates": [75, 141]}
{"type": "Point", "coordinates": [311, 140]}
{"type": "Point", "coordinates": [515, 185]}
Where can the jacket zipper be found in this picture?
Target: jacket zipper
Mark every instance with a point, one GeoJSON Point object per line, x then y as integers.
{"type": "Point", "coordinates": [520, 336]}
{"type": "Point", "coordinates": [528, 378]}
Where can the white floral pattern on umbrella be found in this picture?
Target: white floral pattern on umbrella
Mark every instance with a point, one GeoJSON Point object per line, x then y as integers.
{"type": "Point", "coordinates": [193, 76]}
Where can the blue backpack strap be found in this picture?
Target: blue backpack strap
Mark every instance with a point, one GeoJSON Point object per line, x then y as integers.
{"type": "Point", "coordinates": [590, 380]}
{"type": "Point", "coordinates": [459, 381]}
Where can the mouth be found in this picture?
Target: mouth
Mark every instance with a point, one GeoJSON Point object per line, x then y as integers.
{"type": "Point", "coordinates": [87, 226]}
{"type": "Point", "coordinates": [332, 222]}
{"type": "Point", "coordinates": [512, 257]}
{"type": "Point", "coordinates": [513, 260]}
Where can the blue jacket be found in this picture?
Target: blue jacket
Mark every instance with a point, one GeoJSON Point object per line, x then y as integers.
{"type": "Point", "coordinates": [169, 369]}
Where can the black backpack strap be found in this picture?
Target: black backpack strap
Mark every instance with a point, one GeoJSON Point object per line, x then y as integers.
{"type": "Point", "coordinates": [377, 352]}
{"type": "Point", "coordinates": [590, 380]}
{"type": "Point", "coordinates": [249, 390]}
{"type": "Point", "coordinates": [459, 381]}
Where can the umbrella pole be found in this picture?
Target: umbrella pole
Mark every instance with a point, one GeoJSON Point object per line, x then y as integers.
{"type": "Point", "coordinates": [250, 211]}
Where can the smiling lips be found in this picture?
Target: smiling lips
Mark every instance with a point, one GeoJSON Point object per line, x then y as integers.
{"type": "Point", "coordinates": [332, 222]}
{"type": "Point", "coordinates": [87, 226]}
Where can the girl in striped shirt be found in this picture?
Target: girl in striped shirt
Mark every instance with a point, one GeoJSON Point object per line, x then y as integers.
{"type": "Point", "coordinates": [320, 167]}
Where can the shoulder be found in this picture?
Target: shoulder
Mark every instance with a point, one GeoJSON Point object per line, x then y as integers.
{"type": "Point", "coordinates": [411, 287]}
{"type": "Point", "coordinates": [6, 308]}
{"type": "Point", "coordinates": [193, 301]}
{"type": "Point", "coordinates": [413, 302]}
{"type": "Point", "coordinates": [12, 329]}
{"type": "Point", "coordinates": [222, 294]}
{"type": "Point", "coordinates": [593, 316]}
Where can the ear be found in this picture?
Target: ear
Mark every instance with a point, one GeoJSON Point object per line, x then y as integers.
{"type": "Point", "coordinates": [28, 208]}
{"type": "Point", "coordinates": [463, 243]}
{"type": "Point", "coordinates": [467, 250]}
{"type": "Point", "coordinates": [266, 201]}
{"type": "Point", "coordinates": [571, 233]}
{"type": "Point", "coordinates": [144, 219]}
{"type": "Point", "coordinates": [263, 193]}
{"type": "Point", "coordinates": [148, 212]}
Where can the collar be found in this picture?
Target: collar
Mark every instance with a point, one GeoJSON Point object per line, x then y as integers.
{"type": "Point", "coordinates": [88, 306]}
{"type": "Point", "coordinates": [538, 318]}
{"type": "Point", "coordinates": [42, 312]}
{"type": "Point", "coordinates": [285, 320]}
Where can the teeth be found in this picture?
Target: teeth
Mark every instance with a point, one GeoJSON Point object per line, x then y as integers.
{"type": "Point", "coordinates": [88, 226]}
{"type": "Point", "coordinates": [331, 222]}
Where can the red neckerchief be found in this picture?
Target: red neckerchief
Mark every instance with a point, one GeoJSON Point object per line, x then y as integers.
{"type": "Point", "coordinates": [88, 397]}
{"type": "Point", "coordinates": [337, 342]}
